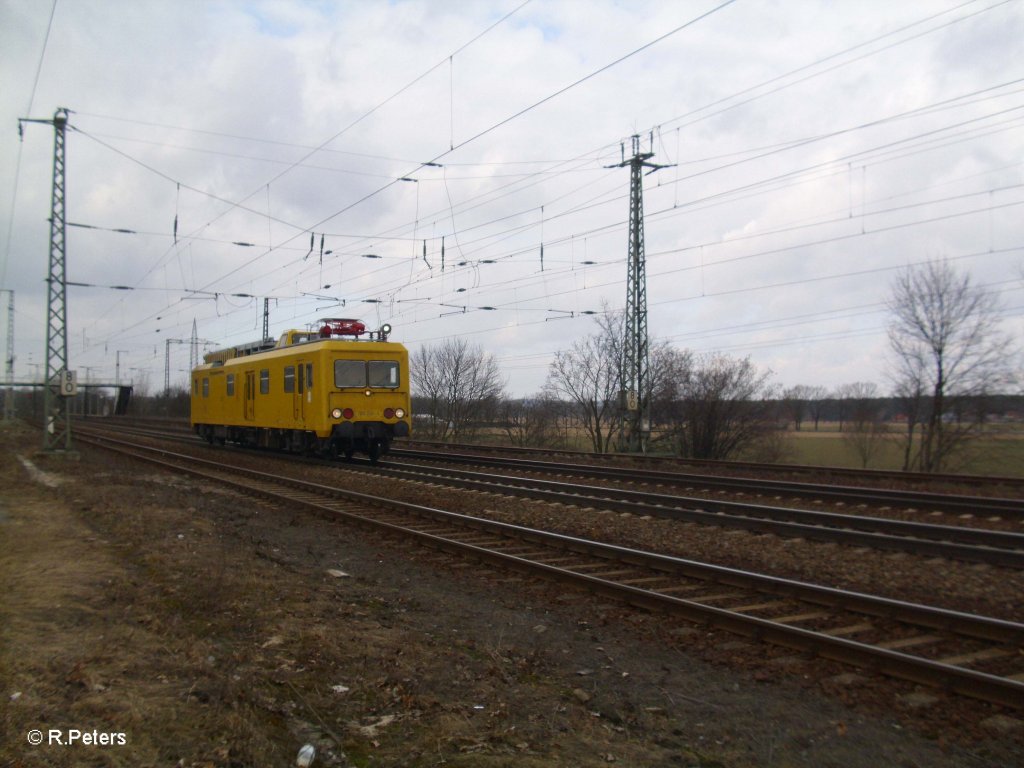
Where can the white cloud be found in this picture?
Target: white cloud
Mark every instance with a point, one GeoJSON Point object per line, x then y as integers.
{"type": "Point", "coordinates": [259, 84]}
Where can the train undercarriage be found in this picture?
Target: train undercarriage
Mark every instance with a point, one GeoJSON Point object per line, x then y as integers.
{"type": "Point", "coordinates": [371, 439]}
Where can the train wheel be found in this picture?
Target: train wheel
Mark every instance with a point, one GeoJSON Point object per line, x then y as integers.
{"type": "Point", "coordinates": [374, 451]}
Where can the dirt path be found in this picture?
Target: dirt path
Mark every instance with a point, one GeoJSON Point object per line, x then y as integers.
{"type": "Point", "coordinates": [201, 628]}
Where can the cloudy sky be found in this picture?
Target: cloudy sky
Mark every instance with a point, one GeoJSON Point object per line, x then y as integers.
{"type": "Point", "coordinates": [444, 166]}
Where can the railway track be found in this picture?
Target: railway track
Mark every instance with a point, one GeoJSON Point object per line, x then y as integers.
{"type": "Point", "coordinates": [977, 545]}
{"type": "Point", "coordinates": [970, 655]}
{"type": "Point", "coordinates": [977, 506]}
{"type": "Point", "coordinates": [872, 477]}
{"type": "Point", "coordinates": [948, 502]}
{"type": "Point", "coordinates": [860, 476]}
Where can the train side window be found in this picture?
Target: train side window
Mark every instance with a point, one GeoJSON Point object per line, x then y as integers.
{"type": "Point", "coordinates": [231, 385]}
{"type": "Point", "coordinates": [206, 387]}
{"type": "Point", "coordinates": [383, 373]}
{"type": "Point", "coordinates": [309, 375]}
{"type": "Point", "coordinates": [265, 381]}
{"type": "Point", "coordinates": [289, 378]}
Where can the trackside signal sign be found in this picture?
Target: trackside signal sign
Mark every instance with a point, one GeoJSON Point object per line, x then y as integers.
{"type": "Point", "coordinates": [68, 382]}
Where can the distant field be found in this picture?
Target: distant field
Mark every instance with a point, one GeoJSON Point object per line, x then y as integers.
{"type": "Point", "coordinates": [997, 455]}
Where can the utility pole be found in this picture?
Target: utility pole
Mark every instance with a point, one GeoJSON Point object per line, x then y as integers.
{"type": "Point", "coordinates": [266, 319]}
{"type": "Point", "coordinates": [117, 366]}
{"type": "Point", "coordinates": [9, 358]}
{"type": "Point", "coordinates": [193, 343]}
{"type": "Point", "coordinates": [167, 361]}
{"type": "Point", "coordinates": [635, 397]}
{"type": "Point", "coordinates": [86, 390]}
{"type": "Point", "coordinates": [59, 384]}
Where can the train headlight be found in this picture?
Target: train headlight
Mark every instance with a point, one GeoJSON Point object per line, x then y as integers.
{"type": "Point", "coordinates": [336, 413]}
{"type": "Point", "coordinates": [400, 413]}
{"type": "Point", "coordinates": [348, 413]}
{"type": "Point", "coordinates": [389, 413]}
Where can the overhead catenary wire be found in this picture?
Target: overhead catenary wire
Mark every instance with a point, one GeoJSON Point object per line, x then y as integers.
{"type": "Point", "coordinates": [884, 211]}
{"type": "Point", "coordinates": [787, 146]}
{"type": "Point", "coordinates": [495, 126]}
{"type": "Point", "coordinates": [653, 214]}
{"type": "Point", "coordinates": [17, 162]}
{"type": "Point", "coordinates": [551, 253]}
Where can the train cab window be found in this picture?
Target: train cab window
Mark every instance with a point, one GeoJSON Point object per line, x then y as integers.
{"type": "Point", "coordinates": [206, 387]}
{"type": "Point", "coordinates": [230, 383]}
{"type": "Point", "coordinates": [383, 373]}
{"type": "Point", "coordinates": [265, 381]}
{"type": "Point", "coordinates": [289, 378]}
{"type": "Point", "coordinates": [349, 373]}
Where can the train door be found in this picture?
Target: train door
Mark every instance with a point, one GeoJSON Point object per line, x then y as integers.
{"type": "Point", "coordinates": [250, 395]}
{"type": "Point", "coordinates": [299, 392]}
{"type": "Point", "coordinates": [309, 384]}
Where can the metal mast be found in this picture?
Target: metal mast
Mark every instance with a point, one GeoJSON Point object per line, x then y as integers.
{"type": "Point", "coordinates": [193, 353]}
{"type": "Point", "coordinates": [636, 396]}
{"type": "Point", "coordinates": [56, 416]}
{"type": "Point", "coordinates": [167, 362]}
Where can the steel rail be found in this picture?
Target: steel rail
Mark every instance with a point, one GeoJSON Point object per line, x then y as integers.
{"type": "Point", "coordinates": [872, 475]}
{"type": "Point", "coordinates": [955, 542]}
{"type": "Point", "coordinates": [976, 505]}
{"type": "Point", "coordinates": [1004, 690]}
{"type": "Point", "coordinates": [997, 548]}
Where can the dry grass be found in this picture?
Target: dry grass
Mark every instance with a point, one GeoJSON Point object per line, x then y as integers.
{"type": "Point", "coordinates": [205, 627]}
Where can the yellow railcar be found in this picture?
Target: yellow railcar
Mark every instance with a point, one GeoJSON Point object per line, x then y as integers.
{"type": "Point", "coordinates": [313, 392]}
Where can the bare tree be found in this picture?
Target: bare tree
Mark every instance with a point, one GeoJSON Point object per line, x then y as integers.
{"type": "Point", "coordinates": [670, 367]}
{"type": "Point", "coordinates": [723, 406]}
{"type": "Point", "coordinates": [859, 401]}
{"type": "Point", "coordinates": [816, 399]}
{"type": "Point", "coordinates": [530, 421]}
{"type": "Point", "coordinates": [459, 386]}
{"type": "Point", "coordinates": [865, 433]}
{"type": "Point", "coordinates": [588, 376]}
{"type": "Point", "coordinates": [142, 385]}
{"type": "Point", "coordinates": [794, 399]}
{"type": "Point", "coordinates": [947, 346]}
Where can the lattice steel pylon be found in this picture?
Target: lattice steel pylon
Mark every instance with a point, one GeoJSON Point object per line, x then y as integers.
{"type": "Point", "coordinates": [193, 351]}
{"type": "Point", "coordinates": [167, 361]}
{"type": "Point", "coordinates": [635, 396]}
{"type": "Point", "coordinates": [56, 416]}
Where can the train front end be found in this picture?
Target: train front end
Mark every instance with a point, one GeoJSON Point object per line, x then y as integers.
{"type": "Point", "coordinates": [368, 395]}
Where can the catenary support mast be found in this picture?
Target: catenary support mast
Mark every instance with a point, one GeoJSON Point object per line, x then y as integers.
{"type": "Point", "coordinates": [58, 383]}
{"type": "Point", "coordinates": [635, 397]}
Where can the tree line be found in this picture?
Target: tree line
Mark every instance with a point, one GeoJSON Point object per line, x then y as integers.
{"type": "Point", "coordinates": [948, 362]}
